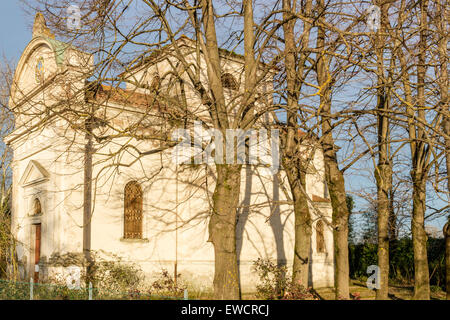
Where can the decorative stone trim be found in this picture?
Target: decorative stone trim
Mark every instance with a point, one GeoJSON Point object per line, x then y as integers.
{"type": "Point", "coordinates": [144, 240]}
{"type": "Point", "coordinates": [34, 219]}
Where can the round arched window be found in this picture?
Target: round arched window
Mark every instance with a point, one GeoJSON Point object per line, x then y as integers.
{"type": "Point", "coordinates": [229, 82]}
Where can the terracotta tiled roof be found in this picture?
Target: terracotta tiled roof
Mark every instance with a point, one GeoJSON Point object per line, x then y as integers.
{"type": "Point", "coordinates": [104, 93]}
{"type": "Point", "coordinates": [316, 198]}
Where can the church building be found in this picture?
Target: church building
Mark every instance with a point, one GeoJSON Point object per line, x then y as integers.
{"type": "Point", "coordinates": [144, 208]}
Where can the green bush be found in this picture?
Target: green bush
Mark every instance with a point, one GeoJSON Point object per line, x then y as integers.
{"type": "Point", "coordinates": [401, 256]}
{"type": "Point", "coordinates": [111, 277]}
{"type": "Point", "coordinates": [115, 278]}
{"type": "Point", "coordinates": [14, 290]}
{"type": "Point", "coordinates": [276, 284]}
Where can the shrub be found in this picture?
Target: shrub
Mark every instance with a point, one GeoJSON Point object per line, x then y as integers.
{"type": "Point", "coordinates": [276, 284]}
{"type": "Point", "coordinates": [114, 277]}
{"type": "Point", "coordinates": [165, 286]}
{"type": "Point", "coordinates": [111, 278]}
{"type": "Point", "coordinates": [401, 256]}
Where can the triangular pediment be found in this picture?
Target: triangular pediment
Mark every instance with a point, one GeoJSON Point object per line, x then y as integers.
{"type": "Point", "coordinates": [34, 173]}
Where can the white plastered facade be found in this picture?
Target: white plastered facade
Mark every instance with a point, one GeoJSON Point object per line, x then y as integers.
{"type": "Point", "coordinates": [48, 165]}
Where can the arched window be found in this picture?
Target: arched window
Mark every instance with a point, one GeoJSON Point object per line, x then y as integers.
{"type": "Point", "coordinates": [133, 211]}
{"type": "Point", "coordinates": [320, 238]}
{"type": "Point", "coordinates": [39, 70]}
{"type": "Point", "coordinates": [229, 82]}
{"type": "Point", "coordinates": [37, 209]}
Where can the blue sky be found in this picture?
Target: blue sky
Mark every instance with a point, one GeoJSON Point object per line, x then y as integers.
{"type": "Point", "coordinates": [14, 29]}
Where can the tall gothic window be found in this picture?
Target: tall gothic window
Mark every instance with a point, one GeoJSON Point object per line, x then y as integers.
{"type": "Point", "coordinates": [320, 238]}
{"type": "Point", "coordinates": [133, 211]}
{"type": "Point", "coordinates": [229, 82]}
{"type": "Point", "coordinates": [37, 209]}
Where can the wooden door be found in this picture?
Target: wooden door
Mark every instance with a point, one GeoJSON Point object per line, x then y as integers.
{"type": "Point", "coordinates": [37, 251]}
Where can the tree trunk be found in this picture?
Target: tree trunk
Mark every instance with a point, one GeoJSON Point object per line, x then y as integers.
{"type": "Point", "coordinates": [419, 173]}
{"type": "Point", "coordinates": [447, 226]}
{"type": "Point", "coordinates": [336, 188]}
{"type": "Point", "coordinates": [292, 161]}
{"type": "Point", "coordinates": [87, 198]}
{"type": "Point", "coordinates": [302, 248]}
{"type": "Point", "coordinates": [334, 178]}
{"type": "Point", "coordinates": [443, 85]}
{"type": "Point", "coordinates": [297, 180]}
{"type": "Point", "coordinates": [222, 232]}
{"type": "Point", "coordinates": [383, 176]}
{"type": "Point", "coordinates": [222, 225]}
{"type": "Point", "coordinates": [393, 232]}
{"type": "Point", "coordinates": [383, 171]}
{"type": "Point", "coordinates": [421, 271]}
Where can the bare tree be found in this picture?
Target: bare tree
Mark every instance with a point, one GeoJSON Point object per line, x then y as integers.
{"type": "Point", "coordinates": [294, 164]}
{"type": "Point", "coordinates": [441, 25]}
{"type": "Point", "coordinates": [8, 265]}
{"type": "Point", "coordinates": [383, 171]}
{"type": "Point", "coordinates": [334, 176]}
{"type": "Point", "coordinates": [420, 156]}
